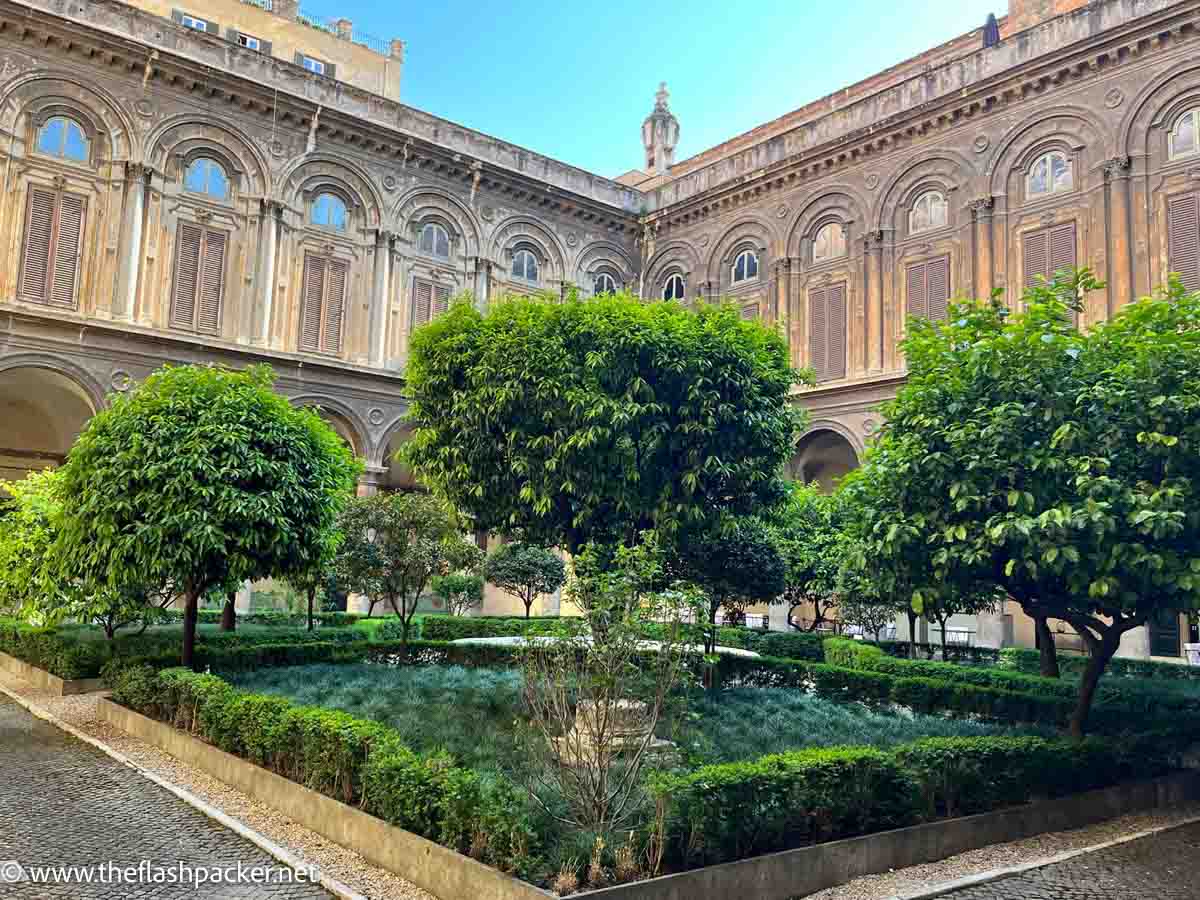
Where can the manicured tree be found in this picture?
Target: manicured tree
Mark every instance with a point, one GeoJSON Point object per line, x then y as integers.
{"type": "Point", "coordinates": [590, 422]}
{"type": "Point", "coordinates": [1060, 465]}
{"type": "Point", "coordinates": [805, 528]}
{"type": "Point", "coordinates": [393, 545]}
{"type": "Point", "coordinates": [736, 566]}
{"type": "Point", "coordinates": [526, 571]}
{"type": "Point", "coordinates": [460, 592]}
{"type": "Point", "coordinates": [201, 477]}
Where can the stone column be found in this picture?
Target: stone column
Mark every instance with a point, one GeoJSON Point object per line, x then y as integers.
{"type": "Point", "coordinates": [369, 481]}
{"type": "Point", "coordinates": [982, 210]}
{"type": "Point", "coordinates": [783, 281]}
{"type": "Point", "coordinates": [994, 629]}
{"type": "Point", "coordinates": [380, 301]}
{"type": "Point", "coordinates": [1120, 269]}
{"type": "Point", "coordinates": [873, 298]}
{"type": "Point", "coordinates": [482, 271]}
{"type": "Point", "coordinates": [241, 600]}
{"type": "Point", "coordinates": [272, 214]}
{"type": "Point", "coordinates": [139, 181]}
{"type": "Point", "coordinates": [1135, 644]}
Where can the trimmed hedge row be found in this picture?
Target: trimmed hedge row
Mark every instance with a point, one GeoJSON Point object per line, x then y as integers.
{"type": "Point", "coordinates": [62, 652]}
{"type": "Point", "coordinates": [273, 617]}
{"type": "Point", "coordinates": [1159, 701]}
{"type": "Point", "coordinates": [1028, 661]}
{"type": "Point", "coordinates": [726, 812]}
{"type": "Point", "coordinates": [454, 628]}
{"type": "Point", "coordinates": [342, 756]}
{"type": "Point", "coordinates": [960, 653]}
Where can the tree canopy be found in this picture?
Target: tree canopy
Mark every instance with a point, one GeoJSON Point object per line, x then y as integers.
{"type": "Point", "coordinates": [806, 528]}
{"type": "Point", "coordinates": [201, 477]}
{"type": "Point", "coordinates": [591, 422]}
{"type": "Point", "coordinates": [526, 571]}
{"type": "Point", "coordinates": [1059, 465]}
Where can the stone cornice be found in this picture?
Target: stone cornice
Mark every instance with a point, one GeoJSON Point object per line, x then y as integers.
{"type": "Point", "coordinates": [1058, 53]}
{"type": "Point", "coordinates": [165, 54]}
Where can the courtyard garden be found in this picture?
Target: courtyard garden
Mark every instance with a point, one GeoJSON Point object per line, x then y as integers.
{"type": "Point", "coordinates": [631, 456]}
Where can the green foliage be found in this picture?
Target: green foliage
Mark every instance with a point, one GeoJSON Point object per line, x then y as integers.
{"type": "Point", "coordinates": [807, 529]}
{"type": "Point", "coordinates": [460, 592]}
{"type": "Point", "coordinates": [525, 571]}
{"type": "Point", "coordinates": [579, 422]}
{"type": "Point", "coordinates": [726, 812]}
{"type": "Point", "coordinates": [29, 576]}
{"type": "Point", "coordinates": [200, 477]}
{"type": "Point", "coordinates": [1024, 660]}
{"type": "Point", "coordinates": [351, 759]}
{"type": "Point", "coordinates": [454, 628]}
{"type": "Point", "coordinates": [1056, 464]}
{"type": "Point", "coordinates": [395, 544]}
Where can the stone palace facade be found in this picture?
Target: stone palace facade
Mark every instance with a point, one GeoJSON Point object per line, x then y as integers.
{"type": "Point", "coordinates": [237, 182]}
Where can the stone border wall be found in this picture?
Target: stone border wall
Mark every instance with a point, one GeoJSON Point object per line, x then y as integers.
{"type": "Point", "coordinates": [444, 873]}
{"type": "Point", "coordinates": [40, 678]}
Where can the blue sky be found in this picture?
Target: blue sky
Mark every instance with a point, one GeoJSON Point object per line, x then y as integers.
{"type": "Point", "coordinates": [574, 80]}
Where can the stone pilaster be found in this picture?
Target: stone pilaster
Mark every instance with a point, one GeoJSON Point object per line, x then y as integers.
{"type": "Point", "coordinates": [380, 298]}
{"type": "Point", "coordinates": [138, 176]}
{"type": "Point", "coordinates": [1120, 266]}
{"type": "Point", "coordinates": [981, 210]}
{"type": "Point", "coordinates": [272, 216]}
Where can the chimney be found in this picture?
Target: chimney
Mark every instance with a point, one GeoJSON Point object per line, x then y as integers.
{"type": "Point", "coordinates": [345, 29]}
{"type": "Point", "coordinates": [397, 49]}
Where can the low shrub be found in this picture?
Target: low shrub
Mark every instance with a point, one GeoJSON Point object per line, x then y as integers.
{"type": "Point", "coordinates": [351, 759]}
{"type": "Point", "coordinates": [960, 653]}
{"type": "Point", "coordinates": [454, 628]}
{"type": "Point", "coordinates": [1028, 661]}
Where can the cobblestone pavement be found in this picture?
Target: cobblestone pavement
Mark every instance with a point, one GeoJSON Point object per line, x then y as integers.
{"type": "Point", "coordinates": [1161, 866]}
{"type": "Point", "coordinates": [65, 803]}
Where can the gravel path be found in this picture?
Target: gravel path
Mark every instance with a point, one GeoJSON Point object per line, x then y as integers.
{"type": "Point", "coordinates": [340, 863]}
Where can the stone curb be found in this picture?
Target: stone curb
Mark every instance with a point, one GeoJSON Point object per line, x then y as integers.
{"type": "Point", "coordinates": [277, 851]}
{"type": "Point", "coordinates": [949, 887]}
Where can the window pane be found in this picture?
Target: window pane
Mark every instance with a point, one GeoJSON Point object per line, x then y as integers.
{"type": "Point", "coordinates": [937, 210]}
{"type": "Point", "coordinates": [218, 183]}
{"type": "Point", "coordinates": [426, 245]}
{"type": "Point", "coordinates": [195, 180]}
{"type": "Point", "coordinates": [1062, 172]}
{"type": "Point", "coordinates": [1184, 139]}
{"type": "Point", "coordinates": [531, 267]}
{"type": "Point", "coordinates": [751, 265]}
{"type": "Point", "coordinates": [739, 268]}
{"type": "Point", "coordinates": [52, 137]}
{"type": "Point", "coordinates": [442, 246]}
{"type": "Point", "coordinates": [76, 145]}
{"type": "Point", "coordinates": [1039, 179]}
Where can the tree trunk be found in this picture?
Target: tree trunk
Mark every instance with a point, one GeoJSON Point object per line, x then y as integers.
{"type": "Point", "coordinates": [190, 614]}
{"type": "Point", "coordinates": [710, 639]}
{"type": "Point", "coordinates": [942, 641]}
{"type": "Point", "coordinates": [528, 606]}
{"type": "Point", "coordinates": [1047, 652]}
{"type": "Point", "coordinates": [912, 632]}
{"type": "Point", "coordinates": [1102, 652]}
{"type": "Point", "coordinates": [312, 595]}
{"type": "Point", "coordinates": [229, 613]}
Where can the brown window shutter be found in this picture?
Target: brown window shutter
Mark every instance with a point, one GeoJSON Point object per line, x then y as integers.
{"type": "Point", "coordinates": [836, 354]}
{"type": "Point", "coordinates": [441, 300]}
{"type": "Point", "coordinates": [212, 282]}
{"type": "Point", "coordinates": [422, 302]}
{"type": "Point", "coordinates": [67, 239]}
{"type": "Point", "coordinates": [35, 258]}
{"type": "Point", "coordinates": [918, 295]}
{"type": "Point", "coordinates": [1036, 255]}
{"type": "Point", "coordinates": [937, 288]}
{"type": "Point", "coordinates": [1062, 248]}
{"type": "Point", "coordinates": [335, 305]}
{"type": "Point", "coordinates": [818, 334]}
{"type": "Point", "coordinates": [1183, 239]}
{"type": "Point", "coordinates": [314, 291]}
{"type": "Point", "coordinates": [189, 243]}
{"type": "Point", "coordinates": [750, 311]}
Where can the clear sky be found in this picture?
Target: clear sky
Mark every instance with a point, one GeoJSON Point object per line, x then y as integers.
{"type": "Point", "coordinates": [574, 80]}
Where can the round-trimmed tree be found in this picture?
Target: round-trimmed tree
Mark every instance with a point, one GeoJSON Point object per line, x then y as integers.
{"type": "Point", "coordinates": [201, 477]}
{"type": "Point", "coordinates": [592, 422]}
{"type": "Point", "coordinates": [525, 571]}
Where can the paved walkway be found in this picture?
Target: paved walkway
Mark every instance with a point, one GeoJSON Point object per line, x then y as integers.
{"type": "Point", "coordinates": [65, 803]}
{"type": "Point", "coordinates": [1161, 866]}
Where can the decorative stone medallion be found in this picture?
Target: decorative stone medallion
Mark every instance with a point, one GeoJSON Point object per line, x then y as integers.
{"type": "Point", "coordinates": [1114, 98]}
{"type": "Point", "coordinates": [121, 380]}
{"type": "Point", "coordinates": [869, 426]}
{"type": "Point", "coordinates": [276, 148]}
{"type": "Point", "coordinates": [144, 108]}
{"type": "Point", "coordinates": [572, 239]}
{"type": "Point", "coordinates": [390, 183]}
{"type": "Point", "coordinates": [375, 415]}
{"type": "Point", "coordinates": [487, 213]}
{"type": "Point", "coordinates": [981, 143]}
{"type": "Point", "coordinates": [704, 239]}
{"type": "Point", "coordinates": [781, 211]}
{"type": "Point", "coordinates": [872, 181]}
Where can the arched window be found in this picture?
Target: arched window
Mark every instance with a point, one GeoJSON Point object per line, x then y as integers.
{"type": "Point", "coordinates": [830, 242]}
{"type": "Point", "coordinates": [435, 241]}
{"type": "Point", "coordinates": [745, 267]}
{"type": "Point", "coordinates": [605, 284]}
{"type": "Point", "coordinates": [206, 176]}
{"type": "Point", "coordinates": [1049, 174]}
{"type": "Point", "coordinates": [64, 138]}
{"type": "Point", "coordinates": [674, 289]}
{"type": "Point", "coordinates": [329, 211]}
{"type": "Point", "coordinates": [1183, 140]}
{"type": "Point", "coordinates": [525, 266]}
{"type": "Point", "coordinates": [927, 213]}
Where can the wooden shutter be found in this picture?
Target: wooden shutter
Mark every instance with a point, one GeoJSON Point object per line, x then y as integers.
{"type": "Point", "coordinates": [53, 241]}
{"type": "Point", "coordinates": [441, 300]}
{"type": "Point", "coordinates": [1047, 250]}
{"type": "Point", "coordinates": [314, 292]}
{"type": "Point", "coordinates": [937, 287]}
{"type": "Point", "coordinates": [836, 323]}
{"type": "Point", "coordinates": [1183, 239]}
{"type": "Point", "coordinates": [818, 331]}
{"type": "Point", "coordinates": [189, 240]}
{"type": "Point", "coordinates": [39, 236]}
{"type": "Point", "coordinates": [212, 282]}
{"type": "Point", "coordinates": [918, 296]}
{"type": "Point", "coordinates": [422, 302]}
{"type": "Point", "coordinates": [750, 310]}
{"type": "Point", "coordinates": [335, 305]}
